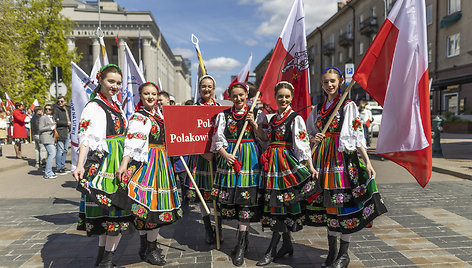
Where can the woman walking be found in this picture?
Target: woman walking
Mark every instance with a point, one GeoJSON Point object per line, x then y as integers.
{"type": "Point", "coordinates": [46, 128]}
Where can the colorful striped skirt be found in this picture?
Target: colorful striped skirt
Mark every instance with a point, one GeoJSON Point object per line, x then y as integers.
{"type": "Point", "coordinates": [200, 169]}
{"type": "Point", "coordinates": [98, 185]}
{"type": "Point", "coordinates": [149, 191]}
{"type": "Point", "coordinates": [237, 193]}
{"type": "Point", "coordinates": [286, 183]}
{"type": "Point", "coordinates": [349, 199]}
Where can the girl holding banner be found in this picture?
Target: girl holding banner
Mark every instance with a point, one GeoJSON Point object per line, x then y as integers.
{"type": "Point", "coordinates": [101, 135]}
{"type": "Point", "coordinates": [286, 181]}
{"type": "Point", "coordinates": [349, 199]}
{"type": "Point", "coordinates": [237, 179]}
{"type": "Point", "coordinates": [149, 191]}
{"type": "Point", "coordinates": [199, 165]}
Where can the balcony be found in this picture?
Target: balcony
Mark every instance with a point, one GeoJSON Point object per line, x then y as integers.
{"type": "Point", "coordinates": [328, 49]}
{"type": "Point", "coordinates": [346, 39]}
{"type": "Point", "coordinates": [369, 26]}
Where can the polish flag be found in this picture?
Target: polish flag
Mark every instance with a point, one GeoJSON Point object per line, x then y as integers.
{"type": "Point", "coordinates": [289, 62]}
{"type": "Point", "coordinates": [10, 104]}
{"type": "Point", "coordinates": [2, 108]}
{"type": "Point", "coordinates": [35, 103]}
{"type": "Point", "coordinates": [394, 72]}
{"type": "Point", "coordinates": [242, 77]}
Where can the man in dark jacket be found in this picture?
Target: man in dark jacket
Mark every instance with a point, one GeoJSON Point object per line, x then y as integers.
{"type": "Point", "coordinates": [62, 116]}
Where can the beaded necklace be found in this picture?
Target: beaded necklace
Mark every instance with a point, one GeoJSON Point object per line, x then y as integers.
{"type": "Point", "coordinates": [238, 117]}
{"type": "Point", "coordinates": [204, 102]}
{"type": "Point", "coordinates": [324, 112]}
{"type": "Point", "coordinates": [277, 122]}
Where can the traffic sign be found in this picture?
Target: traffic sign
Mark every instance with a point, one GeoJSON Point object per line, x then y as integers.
{"type": "Point", "coordinates": [61, 89]}
{"type": "Point", "coordinates": [348, 72]}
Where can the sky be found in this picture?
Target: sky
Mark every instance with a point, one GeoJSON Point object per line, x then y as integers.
{"type": "Point", "coordinates": [228, 30]}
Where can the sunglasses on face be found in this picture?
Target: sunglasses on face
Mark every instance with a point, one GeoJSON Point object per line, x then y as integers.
{"type": "Point", "coordinates": [47, 109]}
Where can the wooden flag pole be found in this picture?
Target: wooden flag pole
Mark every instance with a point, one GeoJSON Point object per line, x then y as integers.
{"type": "Point", "coordinates": [335, 111]}
{"type": "Point", "coordinates": [195, 185]}
{"type": "Point", "coordinates": [217, 231]}
{"type": "Point", "coordinates": [235, 150]}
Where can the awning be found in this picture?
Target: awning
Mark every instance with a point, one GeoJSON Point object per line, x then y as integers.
{"type": "Point", "coordinates": [451, 19]}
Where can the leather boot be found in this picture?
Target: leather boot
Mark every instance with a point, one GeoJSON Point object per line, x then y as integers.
{"type": "Point", "coordinates": [233, 251]}
{"type": "Point", "coordinates": [153, 254]}
{"type": "Point", "coordinates": [241, 247]}
{"type": "Point", "coordinates": [209, 232]}
{"type": "Point", "coordinates": [142, 248]}
{"type": "Point", "coordinates": [107, 259]}
{"type": "Point", "coordinates": [101, 251]}
{"type": "Point", "coordinates": [271, 251]}
{"type": "Point", "coordinates": [343, 258]}
{"type": "Point", "coordinates": [333, 248]}
{"type": "Point", "coordinates": [220, 229]}
{"type": "Point", "coordinates": [287, 247]}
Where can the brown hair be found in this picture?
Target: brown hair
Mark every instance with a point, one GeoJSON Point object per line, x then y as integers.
{"type": "Point", "coordinates": [283, 84]}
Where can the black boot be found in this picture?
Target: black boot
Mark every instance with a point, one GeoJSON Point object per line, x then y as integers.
{"type": "Point", "coordinates": [153, 254]}
{"type": "Point", "coordinates": [142, 248]}
{"type": "Point", "coordinates": [287, 247]}
{"type": "Point", "coordinates": [101, 250]}
{"type": "Point", "coordinates": [209, 232]}
{"type": "Point", "coordinates": [107, 259]}
{"type": "Point", "coordinates": [333, 248]}
{"type": "Point", "coordinates": [233, 251]}
{"type": "Point", "coordinates": [343, 258]}
{"type": "Point", "coordinates": [241, 247]}
{"type": "Point", "coordinates": [271, 251]}
{"type": "Point", "coordinates": [220, 229]}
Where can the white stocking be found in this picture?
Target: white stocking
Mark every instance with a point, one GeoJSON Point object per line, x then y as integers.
{"type": "Point", "coordinates": [346, 237]}
{"type": "Point", "coordinates": [102, 239]}
{"type": "Point", "coordinates": [152, 235]}
{"type": "Point", "coordinates": [112, 242]}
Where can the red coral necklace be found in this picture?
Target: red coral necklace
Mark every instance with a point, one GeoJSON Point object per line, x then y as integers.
{"type": "Point", "coordinates": [324, 112]}
{"type": "Point", "coordinates": [211, 102]}
{"type": "Point", "coordinates": [238, 117]}
{"type": "Point", "coordinates": [282, 119]}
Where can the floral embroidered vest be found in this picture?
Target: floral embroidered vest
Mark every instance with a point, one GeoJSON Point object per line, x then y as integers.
{"type": "Point", "coordinates": [282, 132]}
{"type": "Point", "coordinates": [337, 122]}
{"type": "Point", "coordinates": [233, 127]}
{"type": "Point", "coordinates": [156, 134]}
{"type": "Point", "coordinates": [115, 121]}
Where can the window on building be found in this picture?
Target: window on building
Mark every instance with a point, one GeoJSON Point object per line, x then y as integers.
{"type": "Point", "coordinates": [373, 12]}
{"type": "Point", "coordinates": [340, 57]}
{"type": "Point", "coordinates": [360, 19]}
{"type": "Point", "coordinates": [349, 52]}
{"type": "Point", "coordinates": [429, 15]}
{"type": "Point", "coordinates": [349, 28]}
{"type": "Point", "coordinates": [453, 45]}
{"type": "Point", "coordinates": [361, 48]}
{"type": "Point", "coordinates": [340, 32]}
{"type": "Point", "coordinates": [453, 6]}
{"type": "Point", "coordinates": [332, 60]}
{"type": "Point", "coordinates": [430, 52]}
{"type": "Point", "coordinates": [331, 39]}
{"type": "Point", "coordinates": [389, 4]}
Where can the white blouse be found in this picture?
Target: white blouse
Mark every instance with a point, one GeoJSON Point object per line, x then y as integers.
{"type": "Point", "coordinates": [351, 135]}
{"type": "Point", "coordinates": [219, 140]}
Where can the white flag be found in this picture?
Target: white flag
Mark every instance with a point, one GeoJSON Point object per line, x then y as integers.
{"type": "Point", "coordinates": [81, 89]}
{"type": "Point", "coordinates": [132, 79]}
{"type": "Point", "coordinates": [101, 61]}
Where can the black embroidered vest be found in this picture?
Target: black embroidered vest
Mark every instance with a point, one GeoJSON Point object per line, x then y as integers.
{"type": "Point", "coordinates": [233, 127]}
{"type": "Point", "coordinates": [157, 134]}
{"type": "Point", "coordinates": [283, 131]}
{"type": "Point", "coordinates": [115, 121]}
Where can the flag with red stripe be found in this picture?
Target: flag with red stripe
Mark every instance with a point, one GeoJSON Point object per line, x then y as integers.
{"type": "Point", "coordinates": [394, 72]}
{"type": "Point", "coordinates": [242, 77]}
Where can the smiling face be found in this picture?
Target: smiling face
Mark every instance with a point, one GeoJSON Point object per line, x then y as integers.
{"type": "Point", "coordinates": [148, 96]}
{"type": "Point", "coordinates": [330, 83]}
{"type": "Point", "coordinates": [110, 84]}
{"type": "Point", "coordinates": [239, 97]}
{"type": "Point", "coordinates": [207, 89]}
{"type": "Point", "coordinates": [283, 97]}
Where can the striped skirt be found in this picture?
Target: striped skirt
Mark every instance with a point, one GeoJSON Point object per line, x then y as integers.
{"type": "Point", "coordinates": [98, 186]}
{"type": "Point", "coordinates": [286, 183]}
{"type": "Point", "coordinates": [237, 193]}
{"type": "Point", "coordinates": [349, 199]}
{"type": "Point", "coordinates": [200, 169]}
{"type": "Point", "coordinates": [149, 191]}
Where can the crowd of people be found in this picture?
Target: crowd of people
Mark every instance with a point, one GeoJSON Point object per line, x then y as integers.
{"type": "Point", "coordinates": [272, 177]}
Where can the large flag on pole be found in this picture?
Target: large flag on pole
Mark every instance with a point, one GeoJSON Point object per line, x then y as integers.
{"type": "Point", "coordinates": [81, 89]}
{"type": "Point", "coordinates": [289, 62]}
{"type": "Point", "coordinates": [10, 104]}
{"type": "Point", "coordinates": [242, 76]}
{"type": "Point", "coordinates": [394, 72]}
{"type": "Point", "coordinates": [132, 79]}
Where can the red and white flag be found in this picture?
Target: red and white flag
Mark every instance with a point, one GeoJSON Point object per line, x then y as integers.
{"type": "Point", "coordinates": [289, 62]}
{"type": "Point", "coordinates": [35, 103]}
{"type": "Point", "coordinates": [2, 108]}
{"type": "Point", "coordinates": [242, 77]}
{"type": "Point", "coordinates": [394, 72]}
{"type": "Point", "coordinates": [10, 104]}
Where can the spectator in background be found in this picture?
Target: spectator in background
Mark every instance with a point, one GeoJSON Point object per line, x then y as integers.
{"type": "Point", "coordinates": [62, 119]}
{"type": "Point", "coordinates": [28, 125]}
{"type": "Point", "coordinates": [9, 118]}
{"type": "Point", "coordinates": [171, 100]}
{"type": "Point", "coordinates": [163, 99]}
{"type": "Point", "coordinates": [366, 119]}
{"type": "Point", "coordinates": [46, 137]}
{"type": "Point", "coordinates": [3, 130]}
{"type": "Point", "coordinates": [19, 129]}
{"type": "Point", "coordinates": [40, 150]}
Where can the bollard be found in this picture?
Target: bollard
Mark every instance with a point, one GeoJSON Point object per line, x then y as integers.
{"type": "Point", "coordinates": [436, 133]}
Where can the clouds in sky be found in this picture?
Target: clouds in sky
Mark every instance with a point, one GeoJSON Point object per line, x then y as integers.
{"type": "Point", "coordinates": [222, 64]}
{"type": "Point", "coordinates": [184, 52]}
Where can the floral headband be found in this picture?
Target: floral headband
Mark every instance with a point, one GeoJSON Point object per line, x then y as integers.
{"type": "Point", "coordinates": [99, 73]}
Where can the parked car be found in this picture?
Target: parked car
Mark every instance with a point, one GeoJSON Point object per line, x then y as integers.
{"type": "Point", "coordinates": [377, 115]}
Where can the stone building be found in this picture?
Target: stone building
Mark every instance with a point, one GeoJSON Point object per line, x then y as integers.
{"type": "Point", "coordinates": [142, 35]}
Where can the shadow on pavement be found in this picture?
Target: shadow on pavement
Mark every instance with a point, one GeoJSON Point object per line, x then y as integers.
{"type": "Point", "coordinates": [60, 219]}
{"type": "Point", "coordinates": [69, 184]}
{"type": "Point", "coordinates": [69, 250]}
{"type": "Point", "coordinates": [65, 201]}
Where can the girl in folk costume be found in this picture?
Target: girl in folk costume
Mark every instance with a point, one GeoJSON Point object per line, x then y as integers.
{"type": "Point", "coordinates": [288, 174]}
{"type": "Point", "coordinates": [101, 135]}
{"type": "Point", "coordinates": [149, 191]}
{"type": "Point", "coordinates": [199, 165]}
{"type": "Point", "coordinates": [238, 177]}
{"type": "Point", "coordinates": [349, 199]}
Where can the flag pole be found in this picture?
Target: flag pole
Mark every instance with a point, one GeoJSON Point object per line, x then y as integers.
{"type": "Point", "coordinates": [217, 231]}
{"type": "Point", "coordinates": [195, 185]}
{"type": "Point", "coordinates": [335, 111]}
{"type": "Point", "coordinates": [235, 150]}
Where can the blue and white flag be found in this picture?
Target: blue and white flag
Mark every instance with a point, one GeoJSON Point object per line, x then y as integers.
{"type": "Point", "coordinates": [132, 79]}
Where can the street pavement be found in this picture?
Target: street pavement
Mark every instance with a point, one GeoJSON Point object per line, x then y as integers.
{"type": "Point", "coordinates": [428, 227]}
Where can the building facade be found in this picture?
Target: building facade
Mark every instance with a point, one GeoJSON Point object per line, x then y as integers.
{"type": "Point", "coordinates": [139, 30]}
